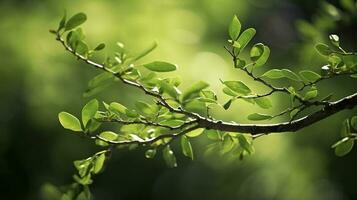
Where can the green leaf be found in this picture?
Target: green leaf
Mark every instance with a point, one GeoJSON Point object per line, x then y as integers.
{"type": "Point", "coordinates": [81, 47]}
{"type": "Point", "coordinates": [195, 133]}
{"type": "Point", "coordinates": [259, 117]}
{"type": "Point", "coordinates": [238, 87]}
{"type": "Point", "coordinates": [169, 157]}
{"type": "Point", "coordinates": [227, 104]}
{"type": "Point", "coordinates": [98, 83]}
{"type": "Point", "coordinates": [106, 135]}
{"type": "Point", "coordinates": [234, 28]}
{"type": "Point", "coordinates": [118, 108]}
{"type": "Point", "coordinates": [344, 148]}
{"type": "Point", "coordinates": [260, 54]}
{"type": "Point", "coordinates": [146, 109]}
{"type": "Point", "coordinates": [263, 102]}
{"type": "Point", "coordinates": [100, 46]}
{"type": "Point", "coordinates": [62, 22]}
{"type": "Point", "coordinates": [172, 122]}
{"type": "Point", "coordinates": [98, 163]}
{"type": "Point", "coordinates": [312, 93]}
{"type": "Point", "coordinates": [89, 110]}
{"type": "Point", "coordinates": [150, 153]}
{"type": "Point", "coordinates": [290, 74]}
{"type": "Point", "coordinates": [213, 134]}
{"type": "Point", "coordinates": [194, 90]}
{"type": "Point", "coordinates": [245, 38]}
{"type": "Point", "coordinates": [83, 166]}
{"type": "Point", "coordinates": [273, 74]}
{"type": "Point", "coordinates": [310, 75]}
{"type": "Point", "coordinates": [354, 122]}
{"type": "Point", "coordinates": [69, 121]}
{"type": "Point", "coordinates": [160, 66]}
{"type": "Point", "coordinates": [75, 21]}
{"type": "Point", "coordinates": [323, 49]}
{"type": "Point", "coordinates": [245, 144]}
{"type": "Point", "coordinates": [169, 89]}
{"type": "Point", "coordinates": [186, 147]}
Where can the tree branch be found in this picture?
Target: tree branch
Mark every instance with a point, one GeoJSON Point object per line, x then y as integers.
{"type": "Point", "coordinates": [348, 102]}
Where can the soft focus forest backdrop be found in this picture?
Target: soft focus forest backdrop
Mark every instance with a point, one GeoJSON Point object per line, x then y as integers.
{"type": "Point", "coordinates": [38, 79]}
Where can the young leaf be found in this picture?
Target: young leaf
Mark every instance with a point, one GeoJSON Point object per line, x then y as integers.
{"type": "Point", "coordinates": [310, 75]}
{"type": "Point", "coordinates": [195, 132]}
{"type": "Point", "coordinates": [213, 134]}
{"type": "Point", "coordinates": [98, 163]}
{"type": "Point", "coordinates": [169, 157]}
{"type": "Point", "coordinates": [194, 89]}
{"type": "Point", "coordinates": [290, 75]}
{"type": "Point", "coordinates": [263, 102]}
{"type": "Point", "coordinates": [186, 147]}
{"type": "Point", "coordinates": [75, 21]}
{"type": "Point", "coordinates": [146, 109]}
{"type": "Point", "coordinates": [344, 148]}
{"type": "Point", "coordinates": [244, 143]}
{"type": "Point", "coordinates": [62, 22]}
{"type": "Point", "coordinates": [100, 46]}
{"type": "Point", "coordinates": [69, 121]}
{"type": "Point", "coordinates": [227, 104]}
{"type": "Point", "coordinates": [106, 135]}
{"type": "Point", "coordinates": [160, 66]}
{"type": "Point", "coordinates": [118, 108]}
{"type": "Point", "coordinates": [245, 38]}
{"type": "Point", "coordinates": [323, 49]}
{"type": "Point", "coordinates": [260, 54]}
{"type": "Point", "coordinates": [312, 93]}
{"type": "Point", "coordinates": [238, 87]}
{"type": "Point", "coordinates": [234, 28]}
{"type": "Point", "coordinates": [259, 117]}
{"type": "Point", "coordinates": [274, 74]}
{"type": "Point", "coordinates": [89, 110]}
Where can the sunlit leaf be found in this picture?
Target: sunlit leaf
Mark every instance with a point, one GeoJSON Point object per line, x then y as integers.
{"type": "Point", "coordinates": [310, 75]}
{"type": "Point", "coordinates": [195, 133]}
{"type": "Point", "coordinates": [75, 21]}
{"type": "Point", "coordinates": [260, 54]}
{"type": "Point", "coordinates": [259, 117]}
{"type": "Point", "coordinates": [323, 49]}
{"type": "Point", "coordinates": [186, 147]}
{"type": "Point", "coordinates": [245, 38]}
{"type": "Point", "coordinates": [98, 163]}
{"type": "Point", "coordinates": [234, 28]}
{"type": "Point", "coordinates": [69, 121]}
{"type": "Point", "coordinates": [194, 89]}
{"type": "Point", "coordinates": [89, 110]}
{"type": "Point", "coordinates": [160, 66]}
{"type": "Point", "coordinates": [108, 136]}
{"type": "Point", "coordinates": [169, 157]}
{"type": "Point", "coordinates": [99, 47]}
{"type": "Point", "coordinates": [238, 87]}
{"type": "Point", "coordinates": [344, 148]}
{"type": "Point", "coordinates": [263, 102]}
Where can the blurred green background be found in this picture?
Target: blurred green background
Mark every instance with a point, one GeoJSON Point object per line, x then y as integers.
{"type": "Point", "coordinates": [38, 79]}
